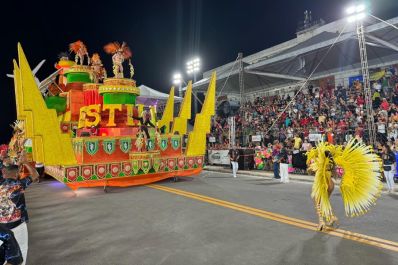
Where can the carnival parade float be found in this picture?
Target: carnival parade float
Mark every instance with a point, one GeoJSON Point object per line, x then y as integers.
{"type": "Point", "coordinates": [89, 130]}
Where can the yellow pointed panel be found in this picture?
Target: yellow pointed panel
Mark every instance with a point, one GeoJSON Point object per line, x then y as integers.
{"type": "Point", "coordinates": [197, 138]}
{"type": "Point", "coordinates": [180, 123]}
{"type": "Point", "coordinates": [168, 113]}
{"type": "Point", "coordinates": [50, 146]}
{"type": "Point", "coordinates": [18, 89]}
{"type": "Point", "coordinates": [209, 104]}
{"type": "Point", "coordinates": [140, 109]}
{"type": "Point", "coordinates": [153, 114]}
{"type": "Point", "coordinates": [196, 144]}
{"type": "Point", "coordinates": [185, 110]}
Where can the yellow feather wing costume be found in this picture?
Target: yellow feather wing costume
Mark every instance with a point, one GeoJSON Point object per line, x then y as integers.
{"type": "Point", "coordinates": [360, 185]}
{"type": "Point", "coordinates": [361, 182]}
{"type": "Point", "coordinates": [320, 164]}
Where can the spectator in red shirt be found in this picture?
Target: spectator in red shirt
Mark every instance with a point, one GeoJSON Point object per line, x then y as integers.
{"type": "Point", "coordinates": [342, 125]}
{"type": "Point", "coordinates": [304, 122]}
{"type": "Point", "coordinates": [384, 105]}
{"type": "Point", "coordinates": [360, 100]}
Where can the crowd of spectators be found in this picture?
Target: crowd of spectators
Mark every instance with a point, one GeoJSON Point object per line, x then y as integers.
{"type": "Point", "coordinates": [336, 112]}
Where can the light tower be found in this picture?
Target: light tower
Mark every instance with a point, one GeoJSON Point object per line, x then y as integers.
{"type": "Point", "coordinates": [356, 14]}
{"type": "Point", "coordinates": [193, 66]}
{"type": "Point", "coordinates": [177, 80]}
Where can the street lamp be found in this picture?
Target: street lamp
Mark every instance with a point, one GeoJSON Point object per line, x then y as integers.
{"type": "Point", "coordinates": [177, 80]}
{"type": "Point", "coordinates": [356, 14]}
{"type": "Point", "coordinates": [193, 66]}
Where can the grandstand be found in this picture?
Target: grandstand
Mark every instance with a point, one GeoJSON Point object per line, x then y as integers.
{"type": "Point", "coordinates": [278, 69]}
{"type": "Point", "coordinates": [312, 86]}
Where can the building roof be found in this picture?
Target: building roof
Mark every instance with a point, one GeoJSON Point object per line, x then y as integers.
{"type": "Point", "coordinates": [293, 61]}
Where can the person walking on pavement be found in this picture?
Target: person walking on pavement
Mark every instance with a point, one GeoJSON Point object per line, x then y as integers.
{"type": "Point", "coordinates": [283, 165]}
{"type": "Point", "coordinates": [275, 154]}
{"type": "Point", "coordinates": [234, 157]}
{"type": "Point", "coordinates": [388, 166]}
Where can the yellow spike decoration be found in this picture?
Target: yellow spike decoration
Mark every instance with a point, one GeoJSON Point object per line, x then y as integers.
{"type": "Point", "coordinates": [168, 113]}
{"type": "Point", "coordinates": [49, 145]}
{"type": "Point", "coordinates": [361, 181]}
{"type": "Point", "coordinates": [197, 138]}
{"type": "Point", "coordinates": [180, 122]}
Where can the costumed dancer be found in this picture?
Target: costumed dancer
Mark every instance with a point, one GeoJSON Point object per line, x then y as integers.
{"type": "Point", "coordinates": [15, 147]}
{"type": "Point", "coordinates": [145, 120]}
{"type": "Point", "coordinates": [361, 179]}
{"type": "Point", "coordinates": [146, 117]}
{"type": "Point", "coordinates": [13, 213]}
{"type": "Point", "coordinates": [10, 253]}
{"type": "Point", "coordinates": [120, 53]}
{"type": "Point", "coordinates": [259, 159]}
{"type": "Point", "coordinates": [98, 68]}
{"type": "Point", "coordinates": [80, 50]}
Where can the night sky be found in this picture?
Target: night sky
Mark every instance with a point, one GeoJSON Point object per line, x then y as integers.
{"type": "Point", "coordinates": [161, 34]}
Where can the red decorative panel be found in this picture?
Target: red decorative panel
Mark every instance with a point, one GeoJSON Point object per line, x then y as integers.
{"type": "Point", "coordinates": [72, 173]}
{"type": "Point", "coordinates": [115, 169]}
{"type": "Point", "coordinates": [171, 163]}
{"type": "Point", "coordinates": [101, 171]}
{"type": "Point", "coordinates": [127, 168]}
{"type": "Point", "coordinates": [181, 162]}
{"type": "Point", "coordinates": [87, 172]}
{"type": "Point", "coordinates": [191, 162]}
{"type": "Point", "coordinates": [163, 163]}
{"type": "Point", "coordinates": [199, 160]}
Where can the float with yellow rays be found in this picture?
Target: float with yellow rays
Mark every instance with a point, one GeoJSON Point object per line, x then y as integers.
{"type": "Point", "coordinates": [90, 131]}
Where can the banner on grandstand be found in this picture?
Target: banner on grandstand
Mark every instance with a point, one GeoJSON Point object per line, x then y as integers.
{"type": "Point", "coordinates": [218, 157]}
{"type": "Point", "coordinates": [256, 138]}
{"type": "Point", "coordinates": [377, 75]}
{"type": "Point", "coordinates": [315, 137]}
{"type": "Point", "coordinates": [212, 139]}
{"type": "Point", "coordinates": [352, 79]}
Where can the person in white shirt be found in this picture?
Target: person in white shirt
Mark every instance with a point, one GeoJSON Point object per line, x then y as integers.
{"type": "Point", "coordinates": [234, 157]}
{"type": "Point", "coordinates": [283, 165]}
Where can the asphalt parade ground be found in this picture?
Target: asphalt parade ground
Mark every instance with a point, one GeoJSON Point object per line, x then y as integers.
{"type": "Point", "coordinates": [208, 219]}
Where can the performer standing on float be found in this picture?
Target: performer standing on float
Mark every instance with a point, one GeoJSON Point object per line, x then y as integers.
{"type": "Point", "coordinates": [360, 184]}
{"type": "Point", "coordinates": [120, 53]}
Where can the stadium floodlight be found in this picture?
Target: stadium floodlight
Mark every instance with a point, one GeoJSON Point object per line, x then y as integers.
{"type": "Point", "coordinates": [193, 66]}
{"type": "Point", "coordinates": [177, 79]}
{"type": "Point", "coordinates": [360, 8]}
{"type": "Point", "coordinates": [350, 10]}
{"type": "Point", "coordinates": [357, 12]}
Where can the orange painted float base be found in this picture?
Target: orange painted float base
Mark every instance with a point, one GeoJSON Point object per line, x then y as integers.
{"type": "Point", "coordinates": [133, 180]}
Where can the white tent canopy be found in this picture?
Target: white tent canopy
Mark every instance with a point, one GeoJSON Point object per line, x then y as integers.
{"type": "Point", "coordinates": [293, 61]}
{"type": "Point", "coordinates": [150, 96]}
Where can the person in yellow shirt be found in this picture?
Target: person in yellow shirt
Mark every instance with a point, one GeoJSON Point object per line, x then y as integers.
{"type": "Point", "coordinates": [297, 142]}
{"type": "Point", "coordinates": [322, 119]}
